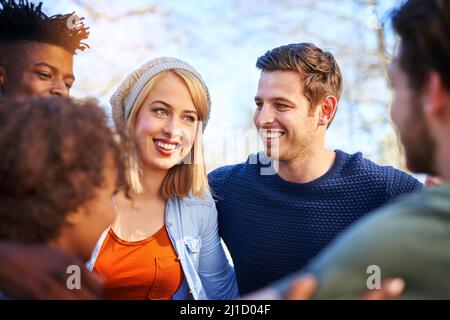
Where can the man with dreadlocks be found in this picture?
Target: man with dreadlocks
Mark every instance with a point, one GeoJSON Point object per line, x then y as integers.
{"type": "Point", "coordinates": [36, 51]}
{"type": "Point", "coordinates": [36, 59]}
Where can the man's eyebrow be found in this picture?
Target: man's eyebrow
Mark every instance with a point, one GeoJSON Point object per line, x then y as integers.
{"type": "Point", "coordinates": [53, 68]}
{"type": "Point", "coordinates": [282, 100]}
{"type": "Point", "coordinates": [257, 98]}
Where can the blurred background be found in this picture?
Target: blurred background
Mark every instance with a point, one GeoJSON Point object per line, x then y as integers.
{"type": "Point", "coordinates": [223, 38]}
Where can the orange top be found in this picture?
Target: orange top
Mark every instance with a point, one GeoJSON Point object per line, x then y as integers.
{"type": "Point", "coordinates": [146, 269]}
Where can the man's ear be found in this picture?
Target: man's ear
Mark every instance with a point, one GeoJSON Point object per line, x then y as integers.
{"type": "Point", "coordinates": [327, 110]}
{"type": "Point", "coordinates": [74, 217]}
{"type": "Point", "coordinates": [435, 96]}
{"type": "Point", "coordinates": [2, 78]}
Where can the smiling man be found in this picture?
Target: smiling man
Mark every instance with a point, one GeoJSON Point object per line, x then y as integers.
{"type": "Point", "coordinates": [274, 224]}
{"type": "Point", "coordinates": [36, 51]}
{"type": "Point", "coordinates": [36, 59]}
{"type": "Point", "coordinates": [409, 238]}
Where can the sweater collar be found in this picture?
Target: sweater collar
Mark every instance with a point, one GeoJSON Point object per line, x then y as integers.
{"type": "Point", "coordinates": [276, 180]}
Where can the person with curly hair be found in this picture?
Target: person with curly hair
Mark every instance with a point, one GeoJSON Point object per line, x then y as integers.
{"type": "Point", "coordinates": [60, 166]}
{"type": "Point", "coordinates": [36, 59]}
{"type": "Point", "coordinates": [409, 237]}
{"type": "Point", "coordinates": [36, 51]}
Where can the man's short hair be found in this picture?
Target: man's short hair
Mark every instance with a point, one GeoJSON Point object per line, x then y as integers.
{"type": "Point", "coordinates": [424, 30]}
{"type": "Point", "coordinates": [24, 22]}
{"type": "Point", "coordinates": [318, 70]}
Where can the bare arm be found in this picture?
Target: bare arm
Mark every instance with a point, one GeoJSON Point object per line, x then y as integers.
{"type": "Point", "coordinates": [39, 272]}
{"type": "Point", "coordinates": [303, 288]}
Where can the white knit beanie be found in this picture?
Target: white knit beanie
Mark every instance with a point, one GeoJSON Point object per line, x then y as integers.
{"type": "Point", "coordinates": [123, 100]}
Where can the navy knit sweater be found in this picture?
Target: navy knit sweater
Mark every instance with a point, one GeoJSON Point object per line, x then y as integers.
{"type": "Point", "coordinates": [273, 227]}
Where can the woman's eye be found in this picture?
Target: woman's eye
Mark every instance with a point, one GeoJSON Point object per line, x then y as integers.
{"type": "Point", "coordinates": [190, 119]}
{"type": "Point", "coordinates": [160, 111]}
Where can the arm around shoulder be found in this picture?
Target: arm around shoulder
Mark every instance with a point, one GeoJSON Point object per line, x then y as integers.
{"type": "Point", "coordinates": [401, 183]}
{"type": "Point", "coordinates": [217, 274]}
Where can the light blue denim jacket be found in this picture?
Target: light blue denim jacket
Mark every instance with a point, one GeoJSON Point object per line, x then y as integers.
{"type": "Point", "coordinates": [193, 229]}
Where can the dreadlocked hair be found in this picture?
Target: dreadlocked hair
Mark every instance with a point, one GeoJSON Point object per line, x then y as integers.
{"type": "Point", "coordinates": [23, 21]}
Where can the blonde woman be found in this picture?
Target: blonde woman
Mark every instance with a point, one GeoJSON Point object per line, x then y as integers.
{"type": "Point", "coordinates": [164, 243]}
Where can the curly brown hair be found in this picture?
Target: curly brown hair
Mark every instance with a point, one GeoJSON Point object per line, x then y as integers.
{"type": "Point", "coordinates": [52, 155]}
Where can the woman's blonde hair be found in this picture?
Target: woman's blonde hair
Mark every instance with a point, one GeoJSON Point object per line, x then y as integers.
{"type": "Point", "coordinates": [188, 177]}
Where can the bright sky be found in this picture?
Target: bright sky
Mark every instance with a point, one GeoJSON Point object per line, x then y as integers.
{"type": "Point", "coordinates": [222, 40]}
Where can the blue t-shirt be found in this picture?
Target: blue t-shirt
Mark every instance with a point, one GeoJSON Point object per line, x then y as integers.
{"type": "Point", "coordinates": [273, 227]}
